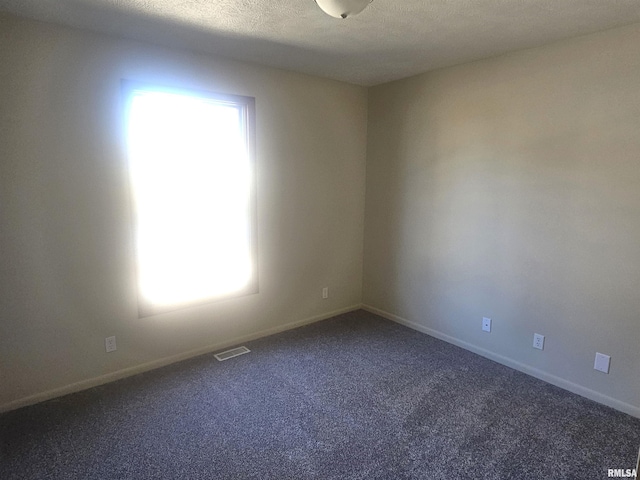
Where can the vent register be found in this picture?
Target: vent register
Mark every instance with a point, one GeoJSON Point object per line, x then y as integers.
{"type": "Point", "coordinates": [234, 352]}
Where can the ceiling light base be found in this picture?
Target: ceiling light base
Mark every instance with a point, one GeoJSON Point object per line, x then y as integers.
{"type": "Point", "coordinates": [342, 8]}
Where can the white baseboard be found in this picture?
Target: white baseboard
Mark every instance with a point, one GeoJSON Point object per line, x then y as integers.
{"type": "Point", "coordinates": [127, 372]}
{"type": "Point", "coordinates": [509, 362]}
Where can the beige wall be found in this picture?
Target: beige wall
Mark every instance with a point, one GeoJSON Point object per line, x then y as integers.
{"type": "Point", "coordinates": [510, 188]}
{"type": "Point", "coordinates": [66, 264]}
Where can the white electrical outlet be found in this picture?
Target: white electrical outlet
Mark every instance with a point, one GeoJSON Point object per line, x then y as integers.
{"type": "Point", "coordinates": [486, 324]}
{"type": "Point", "coordinates": [538, 341]}
{"type": "Point", "coordinates": [110, 344]}
{"type": "Point", "coordinates": [325, 292]}
{"type": "Point", "coordinates": [602, 362]}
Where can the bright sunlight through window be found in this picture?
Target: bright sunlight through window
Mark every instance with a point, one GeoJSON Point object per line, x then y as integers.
{"type": "Point", "coordinates": [190, 160]}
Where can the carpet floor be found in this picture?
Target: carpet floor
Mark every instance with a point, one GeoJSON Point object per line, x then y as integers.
{"type": "Point", "coordinates": [352, 397]}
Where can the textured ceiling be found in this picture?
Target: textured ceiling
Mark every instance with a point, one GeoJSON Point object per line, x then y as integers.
{"type": "Point", "coordinates": [391, 39]}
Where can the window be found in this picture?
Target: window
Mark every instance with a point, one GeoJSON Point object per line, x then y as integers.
{"type": "Point", "coordinates": [192, 172]}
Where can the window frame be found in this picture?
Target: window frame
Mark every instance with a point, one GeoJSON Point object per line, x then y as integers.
{"type": "Point", "coordinates": [247, 109]}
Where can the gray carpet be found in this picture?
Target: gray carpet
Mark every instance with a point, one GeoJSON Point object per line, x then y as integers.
{"type": "Point", "coordinates": [353, 397]}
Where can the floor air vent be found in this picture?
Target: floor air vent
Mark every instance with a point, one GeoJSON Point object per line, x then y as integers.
{"type": "Point", "coordinates": [234, 352]}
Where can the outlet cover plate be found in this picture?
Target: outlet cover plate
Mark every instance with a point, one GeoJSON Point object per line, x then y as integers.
{"type": "Point", "coordinates": [486, 324]}
{"type": "Point", "coordinates": [602, 362]}
{"type": "Point", "coordinates": [538, 341]}
{"type": "Point", "coordinates": [110, 344]}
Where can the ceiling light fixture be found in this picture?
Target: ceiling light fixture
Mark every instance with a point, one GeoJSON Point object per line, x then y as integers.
{"type": "Point", "coordinates": [342, 8]}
